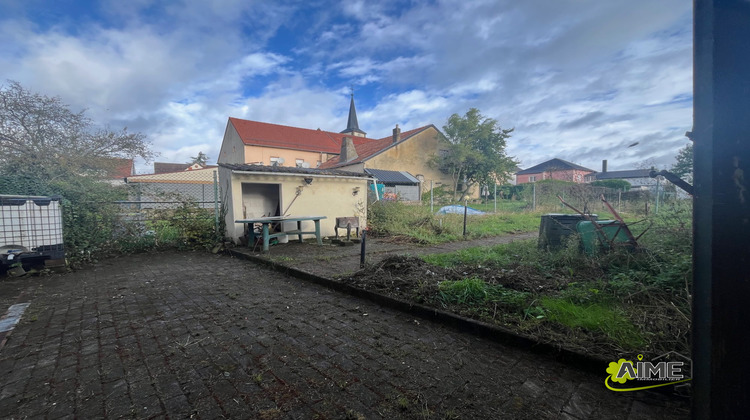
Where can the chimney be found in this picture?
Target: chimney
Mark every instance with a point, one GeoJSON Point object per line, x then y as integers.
{"type": "Point", "coordinates": [396, 134]}
{"type": "Point", "coordinates": [348, 152]}
{"type": "Point", "coordinates": [604, 165]}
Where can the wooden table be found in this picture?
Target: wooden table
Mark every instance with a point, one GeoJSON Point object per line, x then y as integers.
{"type": "Point", "coordinates": [267, 221]}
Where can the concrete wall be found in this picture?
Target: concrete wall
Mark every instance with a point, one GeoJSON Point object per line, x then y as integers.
{"type": "Point", "coordinates": [232, 148]}
{"type": "Point", "coordinates": [405, 192]}
{"type": "Point", "coordinates": [325, 196]}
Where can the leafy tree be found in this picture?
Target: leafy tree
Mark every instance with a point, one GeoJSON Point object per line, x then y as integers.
{"type": "Point", "coordinates": [476, 154]}
{"type": "Point", "coordinates": [684, 166]}
{"type": "Point", "coordinates": [617, 184]}
{"type": "Point", "coordinates": [42, 138]}
{"type": "Point", "coordinates": [201, 159]}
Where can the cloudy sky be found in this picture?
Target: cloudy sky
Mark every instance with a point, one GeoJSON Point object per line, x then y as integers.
{"type": "Point", "coordinates": [579, 80]}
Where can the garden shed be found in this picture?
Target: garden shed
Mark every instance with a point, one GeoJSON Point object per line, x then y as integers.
{"type": "Point", "coordinates": [400, 185]}
{"type": "Point", "coordinates": [254, 191]}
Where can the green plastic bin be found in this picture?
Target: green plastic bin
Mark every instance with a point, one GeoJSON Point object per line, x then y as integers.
{"type": "Point", "coordinates": [592, 240]}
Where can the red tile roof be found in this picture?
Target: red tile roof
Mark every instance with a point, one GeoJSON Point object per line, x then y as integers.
{"type": "Point", "coordinates": [254, 133]}
{"type": "Point", "coordinates": [120, 168]}
{"type": "Point", "coordinates": [370, 149]}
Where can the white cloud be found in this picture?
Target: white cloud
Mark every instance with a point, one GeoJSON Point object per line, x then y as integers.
{"type": "Point", "coordinates": [577, 78]}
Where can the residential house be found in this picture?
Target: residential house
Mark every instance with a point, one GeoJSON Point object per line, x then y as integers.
{"type": "Point", "coordinates": [260, 143]}
{"type": "Point", "coordinates": [554, 169]}
{"type": "Point", "coordinates": [409, 151]}
{"type": "Point", "coordinates": [252, 142]}
{"type": "Point", "coordinates": [639, 179]}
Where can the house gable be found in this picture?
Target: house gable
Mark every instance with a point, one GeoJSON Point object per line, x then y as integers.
{"type": "Point", "coordinates": [232, 148]}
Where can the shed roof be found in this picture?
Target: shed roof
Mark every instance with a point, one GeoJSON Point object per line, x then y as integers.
{"type": "Point", "coordinates": [393, 177]}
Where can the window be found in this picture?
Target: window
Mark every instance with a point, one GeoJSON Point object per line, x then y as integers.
{"type": "Point", "coordinates": [532, 178]}
{"type": "Point", "coordinates": [276, 161]}
{"type": "Point", "coordinates": [299, 162]}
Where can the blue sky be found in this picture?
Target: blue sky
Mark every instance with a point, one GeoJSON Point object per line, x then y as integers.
{"type": "Point", "coordinates": [578, 79]}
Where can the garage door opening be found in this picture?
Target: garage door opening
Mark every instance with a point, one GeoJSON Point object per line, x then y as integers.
{"type": "Point", "coordinates": [261, 200]}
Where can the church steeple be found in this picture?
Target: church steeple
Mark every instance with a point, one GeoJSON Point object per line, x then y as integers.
{"type": "Point", "coordinates": [352, 126]}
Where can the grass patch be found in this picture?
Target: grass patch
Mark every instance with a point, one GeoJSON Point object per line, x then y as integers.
{"type": "Point", "coordinates": [475, 291]}
{"type": "Point", "coordinates": [416, 223]}
{"type": "Point", "coordinates": [595, 317]}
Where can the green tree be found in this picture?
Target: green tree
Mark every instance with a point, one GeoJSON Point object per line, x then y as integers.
{"type": "Point", "coordinates": [684, 165]}
{"type": "Point", "coordinates": [617, 184]}
{"type": "Point", "coordinates": [476, 154]}
{"type": "Point", "coordinates": [201, 159]}
{"type": "Point", "coordinates": [47, 149]}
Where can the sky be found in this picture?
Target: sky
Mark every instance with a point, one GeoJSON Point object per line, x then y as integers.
{"type": "Point", "coordinates": [580, 80]}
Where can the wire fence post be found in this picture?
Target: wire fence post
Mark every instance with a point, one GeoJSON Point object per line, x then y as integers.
{"type": "Point", "coordinates": [495, 195]}
{"type": "Point", "coordinates": [216, 203]}
{"type": "Point", "coordinates": [466, 210]}
{"type": "Point", "coordinates": [431, 200]}
{"type": "Point", "coordinates": [533, 203]}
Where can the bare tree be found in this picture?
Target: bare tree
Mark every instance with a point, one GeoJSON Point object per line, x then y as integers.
{"type": "Point", "coordinates": [41, 134]}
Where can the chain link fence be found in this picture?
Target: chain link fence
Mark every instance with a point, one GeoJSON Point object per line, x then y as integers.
{"type": "Point", "coordinates": [544, 196]}
{"type": "Point", "coordinates": [180, 209]}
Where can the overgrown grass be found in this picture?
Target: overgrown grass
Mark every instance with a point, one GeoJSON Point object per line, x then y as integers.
{"type": "Point", "coordinates": [608, 319]}
{"type": "Point", "coordinates": [475, 291]}
{"type": "Point", "coordinates": [640, 300]}
{"type": "Point", "coordinates": [416, 223]}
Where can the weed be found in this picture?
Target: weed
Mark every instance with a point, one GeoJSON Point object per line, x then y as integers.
{"type": "Point", "coordinates": [403, 403]}
{"type": "Point", "coordinates": [595, 317]}
{"type": "Point", "coordinates": [258, 378]}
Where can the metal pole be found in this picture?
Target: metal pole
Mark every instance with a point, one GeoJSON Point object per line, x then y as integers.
{"type": "Point", "coordinates": [362, 249]}
{"type": "Point", "coordinates": [619, 198]}
{"type": "Point", "coordinates": [495, 197]}
{"type": "Point", "coordinates": [216, 203]}
{"type": "Point", "coordinates": [656, 210]}
{"type": "Point", "coordinates": [466, 210]}
{"type": "Point", "coordinates": [533, 205]}
{"type": "Point", "coordinates": [431, 201]}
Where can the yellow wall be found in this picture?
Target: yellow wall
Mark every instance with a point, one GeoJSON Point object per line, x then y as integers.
{"type": "Point", "coordinates": [413, 156]}
{"type": "Point", "coordinates": [325, 196]}
{"type": "Point", "coordinates": [255, 154]}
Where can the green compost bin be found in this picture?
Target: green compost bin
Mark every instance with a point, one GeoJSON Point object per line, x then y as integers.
{"type": "Point", "coordinates": [591, 238]}
{"type": "Point", "coordinates": [556, 228]}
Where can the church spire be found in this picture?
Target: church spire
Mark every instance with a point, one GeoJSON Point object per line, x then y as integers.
{"type": "Point", "coordinates": [352, 126]}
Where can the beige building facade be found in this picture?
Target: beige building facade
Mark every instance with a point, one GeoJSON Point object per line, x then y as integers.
{"type": "Point", "coordinates": [253, 191]}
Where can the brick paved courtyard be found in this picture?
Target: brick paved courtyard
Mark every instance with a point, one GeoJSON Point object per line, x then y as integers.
{"type": "Point", "coordinates": [183, 335]}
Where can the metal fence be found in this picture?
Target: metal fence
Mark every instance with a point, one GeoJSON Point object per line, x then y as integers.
{"type": "Point", "coordinates": [177, 209]}
{"type": "Point", "coordinates": [545, 196]}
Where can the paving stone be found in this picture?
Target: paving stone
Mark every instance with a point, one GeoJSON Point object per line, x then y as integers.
{"type": "Point", "coordinates": [211, 336]}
